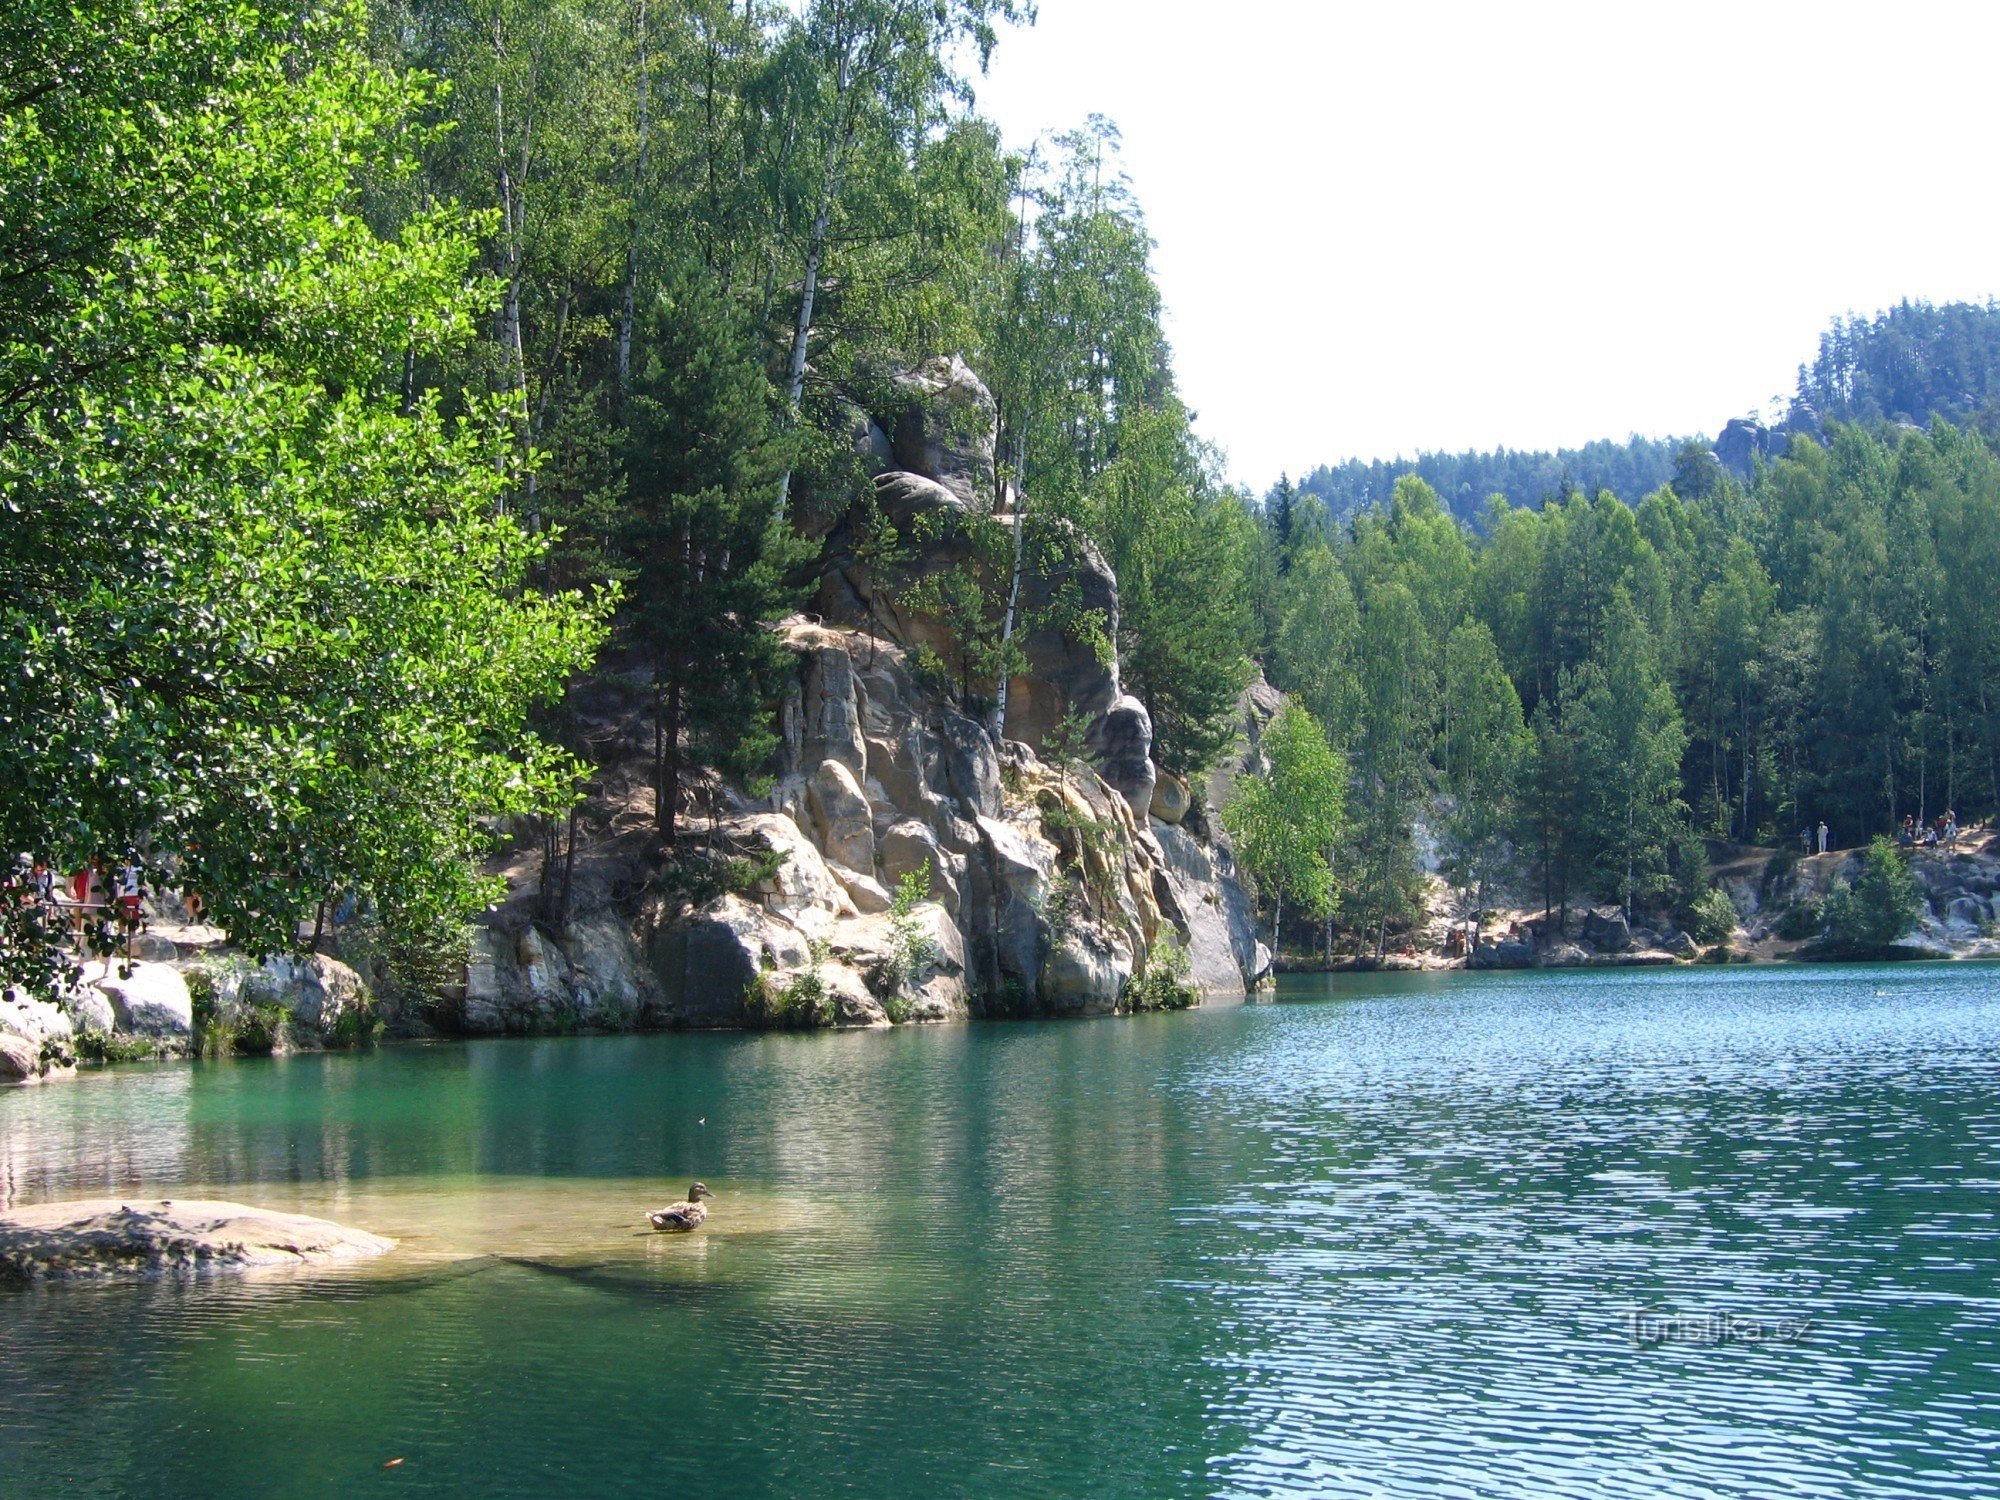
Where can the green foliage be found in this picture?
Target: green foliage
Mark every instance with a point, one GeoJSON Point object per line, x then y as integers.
{"type": "Point", "coordinates": [1878, 906]}
{"type": "Point", "coordinates": [265, 616]}
{"type": "Point", "coordinates": [1796, 923]}
{"type": "Point", "coordinates": [1163, 983]}
{"type": "Point", "coordinates": [1712, 917]}
{"type": "Point", "coordinates": [800, 1003]}
{"type": "Point", "coordinates": [912, 948]}
{"type": "Point", "coordinates": [1287, 820]}
{"type": "Point", "coordinates": [695, 875]}
{"type": "Point", "coordinates": [104, 1047]}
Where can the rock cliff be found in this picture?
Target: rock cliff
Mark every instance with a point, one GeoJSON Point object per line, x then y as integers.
{"type": "Point", "coordinates": [902, 868]}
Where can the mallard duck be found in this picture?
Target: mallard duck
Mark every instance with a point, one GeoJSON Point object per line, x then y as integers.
{"type": "Point", "coordinates": [679, 1218]}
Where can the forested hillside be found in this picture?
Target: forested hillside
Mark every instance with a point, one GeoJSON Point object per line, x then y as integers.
{"type": "Point", "coordinates": [1908, 364]}
{"type": "Point", "coordinates": [1593, 684]}
{"type": "Point", "coordinates": [499, 325]}
{"type": "Point", "coordinates": [1466, 481]}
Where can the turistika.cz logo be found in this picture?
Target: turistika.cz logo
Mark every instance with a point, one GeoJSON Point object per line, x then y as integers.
{"type": "Point", "coordinates": [1650, 1328]}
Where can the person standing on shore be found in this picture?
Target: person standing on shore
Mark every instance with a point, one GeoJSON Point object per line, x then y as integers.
{"type": "Point", "coordinates": [1822, 835]}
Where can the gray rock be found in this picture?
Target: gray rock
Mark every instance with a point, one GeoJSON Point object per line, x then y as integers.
{"type": "Point", "coordinates": [706, 966]}
{"type": "Point", "coordinates": [20, 1059]}
{"type": "Point", "coordinates": [832, 727]}
{"type": "Point", "coordinates": [943, 426]}
{"type": "Point", "coordinates": [1606, 930]}
{"type": "Point", "coordinates": [1122, 742]}
{"type": "Point", "coordinates": [90, 1010]}
{"type": "Point", "coordinates": [1193, 901]}
{"type": "Point", "coordinates": [152, 948]}
{"type": "Point", "coordinates": [319, 993]}
{"type": "Point", "coordinates": [866, 892]}
{"type": "Point", "coordinates": [841, 817]}
{"type": "Point", "coordinates": [909, 846]}
{"type": "Point", "coordinates": [1170, 800]}
{"type": "Point", "coordinates": [1506, 954]}
{"type": "Point", "coordinates": [971, 768]}
{"type": "Point", "coordinates": [1084, 975]}
{"type": "Point", "coordinates": [106, 1237]}
{"type": "Point", "coordinates": [152, 1000]}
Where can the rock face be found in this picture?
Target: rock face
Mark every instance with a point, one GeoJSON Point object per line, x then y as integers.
{"type": "Point", "coordinates": [107, 1237]}
{"type": "Point", "coordinates": [1063, 672]}
{"type": "Point", "coordinates": [289, 1003]}
{"type": "Point", "coordinates": [1606, 929]}
{"type": "Point", "coordinates": [1045, 889]}
{"type": "Point", "coordinates": [940, 421]}
{"type": "Point", "coordinates": [1123, 740]}
{"type": "Point", "coordinates": [35, 1040]}
{"type": "Point", "coordinates": [149, 1000]}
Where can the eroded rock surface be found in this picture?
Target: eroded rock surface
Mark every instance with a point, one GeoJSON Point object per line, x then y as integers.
{"type": "Point", "coordinates": [109, 1237]}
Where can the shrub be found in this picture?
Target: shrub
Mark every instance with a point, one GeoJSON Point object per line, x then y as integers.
{"type": "Point", "coordinates": [912, 948]}
{"type": "Point", "coordinates": [1163, 984]}
{"type": "Point", "coordinates": [800, 1002]}
{"type": "Point", "coordinates": [1800, 922]}
{"type": "Point", "coordinates": [1711, 917]}
{"type": "Point", "coordinates": [1878, 906]}
{"type": "Point", "coordinates": [101, 1047]}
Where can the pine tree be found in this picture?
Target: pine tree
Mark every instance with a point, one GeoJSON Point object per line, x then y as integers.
{"type": "Point", "coordinates": [705, 556]}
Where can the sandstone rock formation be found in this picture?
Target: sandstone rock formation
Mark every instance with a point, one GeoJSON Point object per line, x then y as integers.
{"type": "Point", "coordinates": [109, 1237]}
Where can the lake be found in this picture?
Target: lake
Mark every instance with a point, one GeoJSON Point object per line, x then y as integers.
{"type": "Point", "coordinates": [1607, 1233]}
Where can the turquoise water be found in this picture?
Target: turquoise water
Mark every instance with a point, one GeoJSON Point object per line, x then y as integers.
{"type": "Point", "coordinates": [1384, 1239]}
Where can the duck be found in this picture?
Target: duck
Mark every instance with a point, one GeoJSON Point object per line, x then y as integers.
{"type": "Point", "coordinates": [679, 1218]}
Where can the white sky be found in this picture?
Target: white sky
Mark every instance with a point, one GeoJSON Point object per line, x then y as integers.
{"type": "Point", "coordinates": [1406, 224]}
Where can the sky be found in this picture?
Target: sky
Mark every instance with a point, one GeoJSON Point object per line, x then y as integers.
{"type": "Point", "coordinates": [1403, 225]}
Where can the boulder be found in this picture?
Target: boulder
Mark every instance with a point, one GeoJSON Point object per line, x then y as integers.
{"type": "Point", "coordinates": [1170, 800]}
{"type": "Point", "coordinates": [105, 1237]}
{"type": "Point", "coordinates": [151, 1000]}
{"type": "Point", "coordinates": [909, 846]}
{"type": "Point", "coordinates": [803, 890]}
{"type": "Point", "coordinates": [1084, 974]}
{"type": "Point", "coordinates": [707, 965]}
{"type": "Point", "coordinates": [942, 425]}
{"type": "Point", "coordinates": [1506, 954]}
{"type": "Point", "coordinates": [1122, 743]}
{"type": "Point", "coordinates": [152, 948]}
{"type": "Point", "coordinates": [841, 817]}
{"type": "Point", "coordinates": [322, 995]}
{"type": "Point", "coordinates": [854, 1008]}
{"type": "Point", "coordinates": [1606, 930]}
{"type": "Point", "coordinates": [36, 1021]}
{"type": "Point", "coordinates": [90, 1010]}
{"type": "Point", "coordinates": [866, 892]}
{"type": "Point", "coordinates": [20, 1059]}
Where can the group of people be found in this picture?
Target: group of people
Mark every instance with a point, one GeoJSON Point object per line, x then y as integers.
{"type": "Point", "coordinates": [101, 902]}
{"type": "Point", "coordinates": [1941, 830]}
{"type": "Point", "coordinates": [1809, 836]}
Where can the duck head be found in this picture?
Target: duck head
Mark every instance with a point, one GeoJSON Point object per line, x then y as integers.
{"type": "Point", "coordinates": [698, 1192]}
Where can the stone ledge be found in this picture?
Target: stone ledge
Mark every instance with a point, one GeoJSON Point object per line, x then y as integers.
{"type": "Point", "coordinates": [110, 1237]}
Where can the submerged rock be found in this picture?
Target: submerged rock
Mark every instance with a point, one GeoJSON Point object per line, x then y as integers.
{"type": "Point", "coordinates": [106, 1237]}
